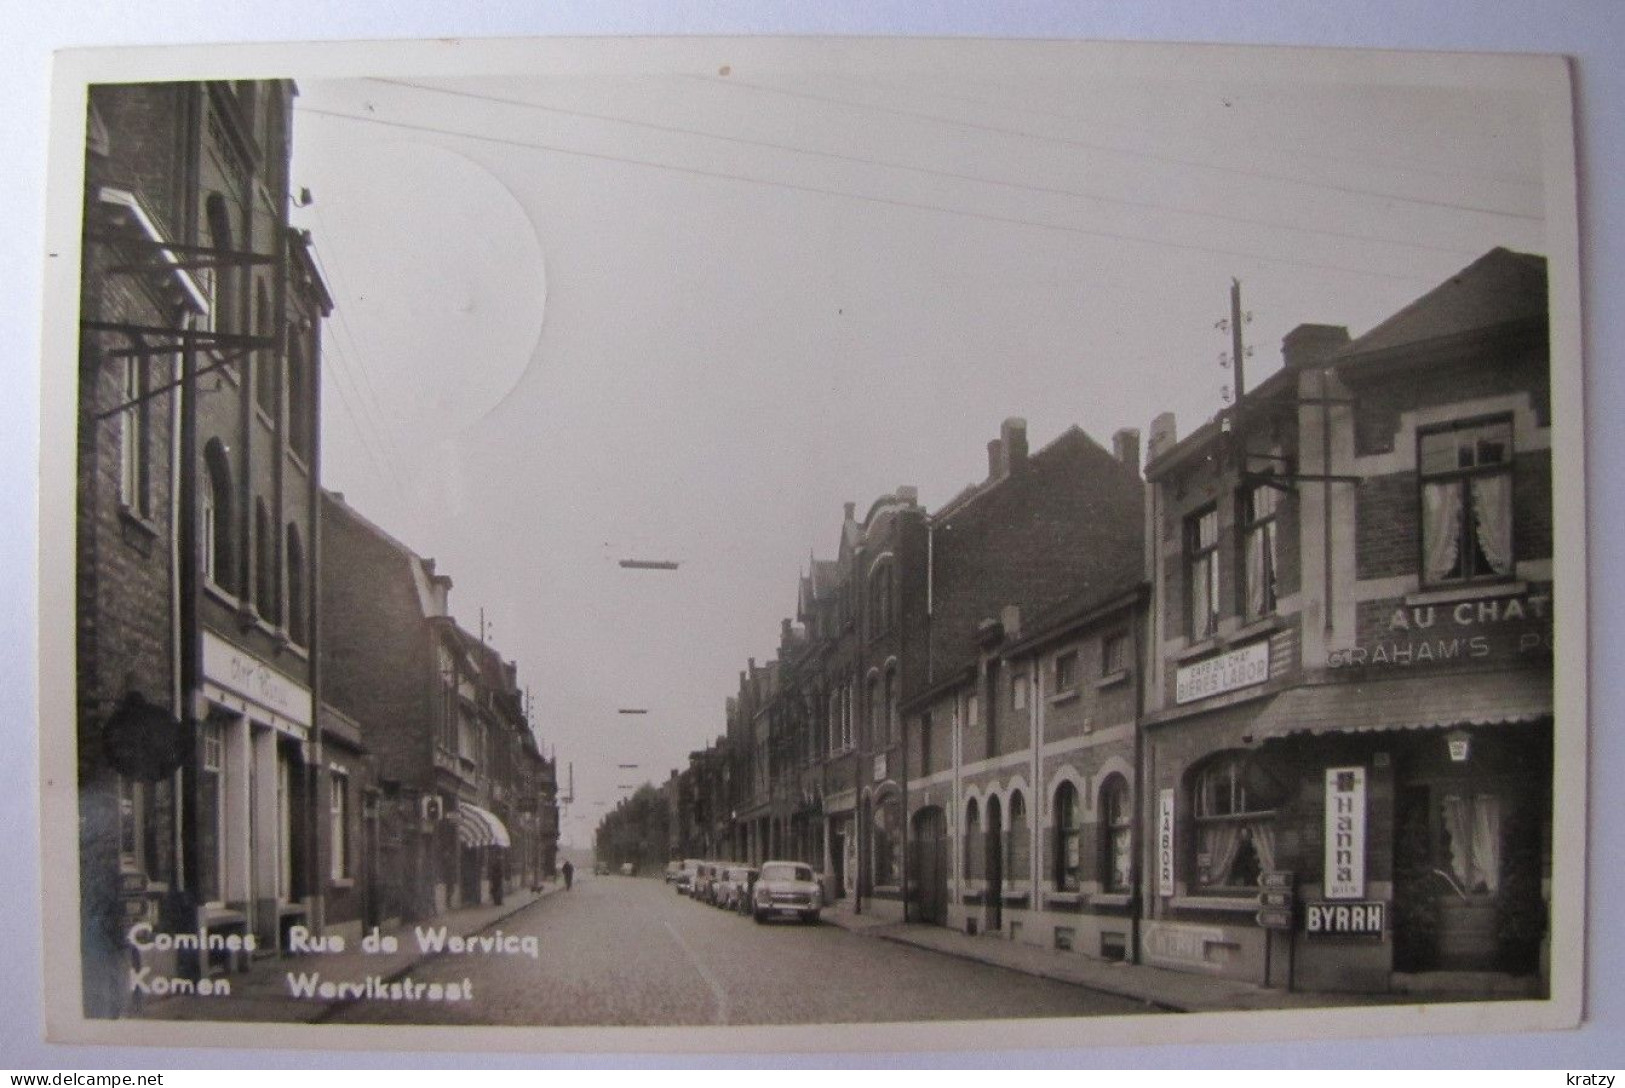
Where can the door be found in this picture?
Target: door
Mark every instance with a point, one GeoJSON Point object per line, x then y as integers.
{"type": "Point", "coordinates": [995, 865]}
{"type": "Point", "coordinates": [930, 861]}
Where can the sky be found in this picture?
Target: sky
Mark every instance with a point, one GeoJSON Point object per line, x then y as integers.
{"type": "Point", "coordinates": [686, 313]}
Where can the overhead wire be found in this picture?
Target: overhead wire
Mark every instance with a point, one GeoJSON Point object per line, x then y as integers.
{"type": "Point", "coordinates": [694, 171]}
{"type": "Point", "coordinates": [1152, 156]}
{"type": "Point", "coordinates": [982, 179]}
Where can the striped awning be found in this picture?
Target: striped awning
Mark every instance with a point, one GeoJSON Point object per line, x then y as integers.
{"type": "Point", "coordinates": [477, 827]}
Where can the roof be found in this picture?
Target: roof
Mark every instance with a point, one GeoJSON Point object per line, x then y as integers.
{"type": "Point", "coordinates": [1423, 701]}
{"type": "Point", "coordinates": [1500, 288]}
{"type": "Point", "coordinates": [1077, 610]}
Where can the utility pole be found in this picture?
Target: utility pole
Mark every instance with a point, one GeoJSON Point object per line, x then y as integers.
{"type": "Point", "coordinates": [1239, 351]}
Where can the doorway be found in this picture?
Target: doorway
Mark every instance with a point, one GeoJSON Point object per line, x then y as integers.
{"type": "Point", "coordinates": [930, 862]}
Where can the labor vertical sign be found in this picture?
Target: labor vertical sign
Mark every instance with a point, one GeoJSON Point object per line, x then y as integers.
{"type": "Point", "coordinates": [1345, 832]}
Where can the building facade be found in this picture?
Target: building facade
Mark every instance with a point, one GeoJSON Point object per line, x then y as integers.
{"type": "Point", "coordinates": [200, 309]}
{"type": "Point", "coordinates": [1350, 699]}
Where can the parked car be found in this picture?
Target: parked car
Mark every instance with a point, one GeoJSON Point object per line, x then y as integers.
{"type": "Point", "coordinates": [703, 879]}
{"type": "Point", "coordinates": [601, 869]}
{"type": "Point", "coordinates": [786, 887]}
{"type": "Point", "coordinates": [733, 887]}
{"type": "Point", "coordinates": [685, 878]}
{"type": "Point", "coordinates": [673, 868]}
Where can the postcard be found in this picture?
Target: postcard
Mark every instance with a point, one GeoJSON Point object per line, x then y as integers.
{"type": "Point", "coordinates": [747, 544]}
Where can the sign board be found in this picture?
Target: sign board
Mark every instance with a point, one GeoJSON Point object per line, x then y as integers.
{"type": "Point", "coordinates": [251, 679]}
{"type": "Point", "coordinates": [1364, 919]}
{"type": "Point", "coordinates": [1345, 832]}
{"type": "Point", "coordinates": [1238, 668]}
{"type": "Point", "coordinates": [1276, 879]}
{"type": "Point", "coordinates": [1165, 843]}
{"type": "Point", "coordinates": [1275, 900]}
{"type": "Point", "coordinates": [1273, 918]}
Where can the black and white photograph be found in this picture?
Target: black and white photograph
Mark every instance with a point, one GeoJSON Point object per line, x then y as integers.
{"type": "Point", "coordinates": [860, 542]}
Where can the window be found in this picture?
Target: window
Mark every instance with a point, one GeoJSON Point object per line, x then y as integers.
{"type": "Point", "coordinates": [219, 280]}
{"type": "Point", "coordinates": [1114, 654]}
{"type": "Point", "coordinates": [265, 384]}
{"type": "Point", "coordinates": [338, 810]}
{"type": "Point", "coordinates": [265, 580]}
{"type": "Point", "coordinates": [877, 713]}
{"type": "Point", "coordinates": [1018, 690]}
{"type": "Point", "coordinates": [1117, 827]}
{"type": "Point", "coordinates": [1234, 810]}
{"type": "Point", "coordinates": [298, 623]}
{"type": "Point", "coordinates": [298, 399]}
{"type": "Point", "coordinates": [1466, 480]}
{"type": "Point", "coordinates": [880, 598]}
{"type": "Point", "coordinates": [210, 842]}
{"type": "Point", "coordinates": [835, 721]}
{"type": "Point", "coordinates": [891, 706]}
{"type": "Point", "coordinates": [1259, 548]}
{"type": "Point", "coordinates": [1019, 848]}
{"type": "Point", "coordinates": [133, 441]}
{"type": "Point", "coordinates": [973, 842]}
{"type": "Point", "coordinates": [219, 566]}
{"type": "Point", "coordinates": [1067, 831]}
{"type": "Point", "coordinates": [1066, 671]}
{"type": "Point", "coordinates": [1202, 572]}
{"type": "Point", "coordinates": [1472, 842]}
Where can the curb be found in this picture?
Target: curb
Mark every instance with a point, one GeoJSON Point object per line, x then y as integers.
{"type": "Point", "coordinates": [333, 1008]}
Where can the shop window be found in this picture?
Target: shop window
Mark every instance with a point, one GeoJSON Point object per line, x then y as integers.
{"type": "Point", "coordinates": [1259, 505]}
{"type": "Point", "coordinates": [219, 565]}
{"type": "Point", "coordinates": [1117, 836]}
{"type": "Point", "coordinates": [1068, 829]}
{"type": "Point", "coordinates": [1202, 572]}
{"type": "Point", "coordinates": [1066, 672]}
{"type": "Point", "coordinates": [1472, 842]}
{"type": "Point", "coordinates": [1233, 805]}
{"type": "Point", "coordinates": [1465, 475]}
{"type": "Point", "coordinates": [210, 810]}
{"type": "Point", "coordinates": [134, 443]}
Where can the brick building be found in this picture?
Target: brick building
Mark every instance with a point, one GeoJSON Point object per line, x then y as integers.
{"type": "Point", "coordinates": [1350, 685]}
{"type": "Point", "coordinates": [200, 311]}
{"type": "Point", "coordinates": [467, 806]}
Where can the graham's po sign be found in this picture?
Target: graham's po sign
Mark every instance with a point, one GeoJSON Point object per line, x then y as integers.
{"type": "Point", "coordinates": [1431, 634]}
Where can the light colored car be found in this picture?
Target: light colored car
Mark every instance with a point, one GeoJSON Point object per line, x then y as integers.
{"type": "Point", "coordinates": [673, 868]}
{"type": "Point", "coordinates": [733, 887]}
{"type": "Point", "coordinates": [786, 887]}
{"type": "Point", "coordinates": [685, 876]}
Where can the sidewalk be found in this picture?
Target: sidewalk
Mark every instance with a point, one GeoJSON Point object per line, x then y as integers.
{"type": "Point", "coordinates": [1158, 987]}
{"type": "Point", "coordinates": [261, 994]}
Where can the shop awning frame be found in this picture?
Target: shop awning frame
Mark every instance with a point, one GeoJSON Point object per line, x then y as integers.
{"type": "Point", "coordinates": [478, 827]}
{"type": "Point", "coordinates": [1428, 701]}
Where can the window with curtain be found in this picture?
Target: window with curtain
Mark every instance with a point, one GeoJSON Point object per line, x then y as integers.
{"type": "Point", "coordinates": [1258, 534]}
{"type": "Point", "coordinates": [1202, 572]}
{"type": "Point", "coordinates": [219, 564]}
{"type": "Point", "coordinates": [1472, 841]}
{"type": "Point", "coordinates": [1116, 826]}
{"type": "Point", "coordinates": [1068, 829]}
{"type": "Point", "coordinates": [1465, 474]}
{"type": "Point", "coordinates": [133, 442]}
{"type": "Point", "coordinates": [1233, 806]}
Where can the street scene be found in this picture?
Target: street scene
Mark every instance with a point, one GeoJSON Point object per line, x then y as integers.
{"type": "Point", "coordinates": [720, 543]}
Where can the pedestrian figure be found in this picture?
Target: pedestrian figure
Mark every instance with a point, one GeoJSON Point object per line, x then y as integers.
{"type": "Point", "coordinates": [569, 872]}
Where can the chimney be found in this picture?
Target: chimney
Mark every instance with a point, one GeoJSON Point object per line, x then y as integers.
{"type": "Point", "coordinates": [1126, 447]}
{"type": "Point", "coordinates": [1163, 435]}
{"type": "Point", "coordinates": [1010, 620]}
{"type": "Point", "coordinates": [1014, 436]}
{"type": "Point", "coordinates": [851, 510]}
{"type": "Point", "coordinates": [907, 495]}
{"type": "Point", "coordinates": [784, 630]}
{"type": "Point", "coordinates": [995, 460]}
{"type": "Point", "coordinates": [1308, 345]}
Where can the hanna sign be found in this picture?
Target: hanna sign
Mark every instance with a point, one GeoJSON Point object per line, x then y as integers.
{"type": "Point", "coordinates": [1345, 832]}
{"type": "Point", "coordinates": [1238, 668]}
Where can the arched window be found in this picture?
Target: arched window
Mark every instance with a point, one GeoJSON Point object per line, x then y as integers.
{"type": "Point", "coordinates": [265, 586]}
{"type": "Point", "coordinates": [1019, 850]}
{"type": "Point", "coordinates": [299, 399]}
{"type": "Point", "coordinates": [220, 279]}
{"type": "Point", "coordinates": [1116, 832]}
{"type": "Point", "coordinates": [214, 532]}
{"type": "Point", "coordinates": [880, 598]}
{"type": "Point", "coordinates": [973, 841]}
{"type": "Point", "coordinates": [298, 620]}
{"type": "Point", "coordinates": [891, 706]}
{"type": "Point", "coordinates": [265, 384]}
{"type": "Point", "coordinates": [1068, 827]}
{"type": "Point", "coordinates": [1233, 803]}
{"type": "Point", "coordinates": [877, 713]}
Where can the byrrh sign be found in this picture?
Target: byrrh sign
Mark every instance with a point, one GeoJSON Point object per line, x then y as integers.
{"type": "Point", "coordinates": [1238, 668]}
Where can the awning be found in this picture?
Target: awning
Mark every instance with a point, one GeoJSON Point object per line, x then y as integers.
{"type": "Point", "coordinates": [1410, 702]}
{"type": "Point", "coordinates": [477, 827]}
